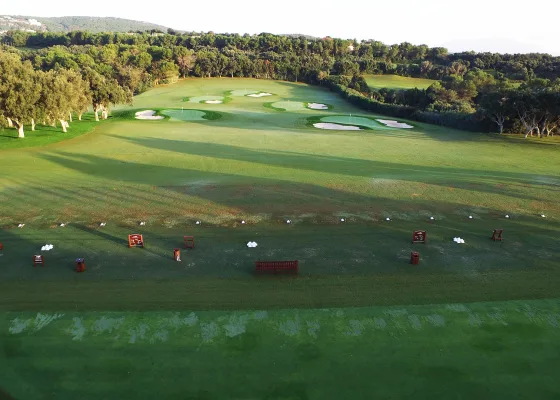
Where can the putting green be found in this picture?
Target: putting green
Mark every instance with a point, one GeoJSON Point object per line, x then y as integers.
{"type": "Point", "coordinates": [185, 115]}
{"type": "Point", "coordinates": [356, 121]}
{"type": "Point", "coordinates": [202, 99]}
{"type": "Point", "coordinates": [289, 105]}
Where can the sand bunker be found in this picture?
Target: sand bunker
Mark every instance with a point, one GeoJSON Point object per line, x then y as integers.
{"type": "Point", "coordinates": [395, 124]}
{"type": "Point", "coordinates": [148, 114]}
{"type": "Point", "coordinates": [259, 94]}
{"type": "Point", "coordinates": [336, 127]}
{"type": "Point", "coordinates": [242, 92]}
{"type": "Point", "coordinates": [207, 99]}
{"type": "Point", "coordinates": [317, 106]}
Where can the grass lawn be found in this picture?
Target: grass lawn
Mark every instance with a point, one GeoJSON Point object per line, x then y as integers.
{"type": "Point", "coordinates": [498, 350]}
{"type": "Point", "coordinates": [396, 82]}
{"type": "Point", "coordinates": [45, 135]}
{"type": "Point", "coordinates": [246, 161]}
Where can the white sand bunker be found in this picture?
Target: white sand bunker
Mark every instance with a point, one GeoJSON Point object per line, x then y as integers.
{"type": "Point", "coordinates": [148, 114]}
{"type": "Point", "coordinates": [317, 106]}
{"type": "Point", "coordinates": [395, 124]}
{"type": "Point", "coordinates": [261, 94]}
{"type": "Point", "coordinates": [336, 127]}
{"type": "Point", "coordinates": [213, 101]}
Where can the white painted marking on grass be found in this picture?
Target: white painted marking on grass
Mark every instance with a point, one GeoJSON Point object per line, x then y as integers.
{"type": "Point", "coordinates": [379, 323]}
{"type": "Point", "coordinates": [19, 326]}
{"type": "Point", "coordinates": [355, 329]}
{"type": "Point", "coordinates": [396, 312]}
{"type": "Point", "coordinates": [77, 330]}
{"type": "Point", "coordinates": [42, 320]}
{"type": "Point", "coordinates": [236, 325]}
{"type": "Point", "coordinates": [553, 320]}
{"type": "Point", "coordinates": [138, 333]}
{"type": "Point", "coordinates": [190, 320]}
{"type": "Point", "coordinates": [161, 336]}
{"type": "Point", "coordinates": [475, 320]}
{"type": "Point", "coordinates": [312, 328]}
{"type": "Point", "coordinates": [457, 308]}
{"type": "Point", "coordinates": [290, 327]}
{"type": "Point", "coordinates": [208, 331]}
{"type": "Point", "coordinates": [105, 324]}
{"type": "Point", "coordinates": [415, 321]}
{"type": "Point", "coordinates": [260, 315]}
{"type": "Point", "coordinates": [436, 320]}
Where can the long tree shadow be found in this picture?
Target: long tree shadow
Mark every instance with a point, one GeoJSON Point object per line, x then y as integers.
{"type": "Point", "coordinates": [261, 194]}
{"type": "Point", "coordinates": [476, 180]}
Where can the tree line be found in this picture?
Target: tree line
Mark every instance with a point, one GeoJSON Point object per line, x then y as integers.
{"type": "Point", "coordinates": [29, 96]}
{"type": "Point", "coordinates": [472, 91]}
{"type": "Point", "coordinates": [367, 56]}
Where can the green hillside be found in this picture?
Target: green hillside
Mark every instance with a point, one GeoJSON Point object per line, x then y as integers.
{"type": "Point", "coordinates": [93, 24]}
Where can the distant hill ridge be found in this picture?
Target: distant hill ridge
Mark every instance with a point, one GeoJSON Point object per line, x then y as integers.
{"type": "Point", "coordinates": [74, 23]}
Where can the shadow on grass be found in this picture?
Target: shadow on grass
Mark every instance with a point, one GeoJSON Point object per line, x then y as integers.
{"type": "Point", "coordinates": [283, 195]}
{"type": "Point", "coordinates": [475, 180]}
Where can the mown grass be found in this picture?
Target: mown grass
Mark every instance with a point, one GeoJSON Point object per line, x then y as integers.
{"type": "Point", "coordinates": [397, 82]}
{"type": "Point", "coordinates": [45, 135]}
{"type": "Point", "coordinates": [500, 350]}
{"type": "Point", "coordinates": [264, 167]}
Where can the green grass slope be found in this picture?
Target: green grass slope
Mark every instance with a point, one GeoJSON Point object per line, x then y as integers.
{"type": "Point", "coordinates": [497, 350]}
{"type": "Point", "coordinates": [137, 324]}
{"type": "Point", "coordinates": [396, 82]}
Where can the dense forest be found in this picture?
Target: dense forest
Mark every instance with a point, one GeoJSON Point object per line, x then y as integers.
{"type": "Point", "coordinates": [483, 92]}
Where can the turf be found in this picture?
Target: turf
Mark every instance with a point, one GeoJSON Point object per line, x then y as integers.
{"type": "Point", "coordinates": [45, 135]}
{"type": "Point", "coordinates": [497, 350]}
{"type": "Point", "coordinates": [245, 161]}
{"type": "Point", "coordinates": [397, 82]}
{"type": "Point", "coordinates": [289, 105]}
{"type": "Point", "coordinates": [184, 115]}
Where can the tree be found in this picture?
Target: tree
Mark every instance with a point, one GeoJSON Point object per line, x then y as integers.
{"type": "Point", "coordinates": [497, 106]}
{"type": "Point", "coordinates": [185, 59]}
{"type": "Point", "coordinates": [19, 90]}
{"type": "Point", "coordinates": [525, 105]}
{"type": "Point", "coordinates": [104, 92]}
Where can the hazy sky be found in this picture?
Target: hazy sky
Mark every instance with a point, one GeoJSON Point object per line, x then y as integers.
{"type": "Point", "coordinates": [483, 25]}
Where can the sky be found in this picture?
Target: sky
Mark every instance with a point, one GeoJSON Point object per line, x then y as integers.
{"type": "Point", "coordinates": [505, 26]}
